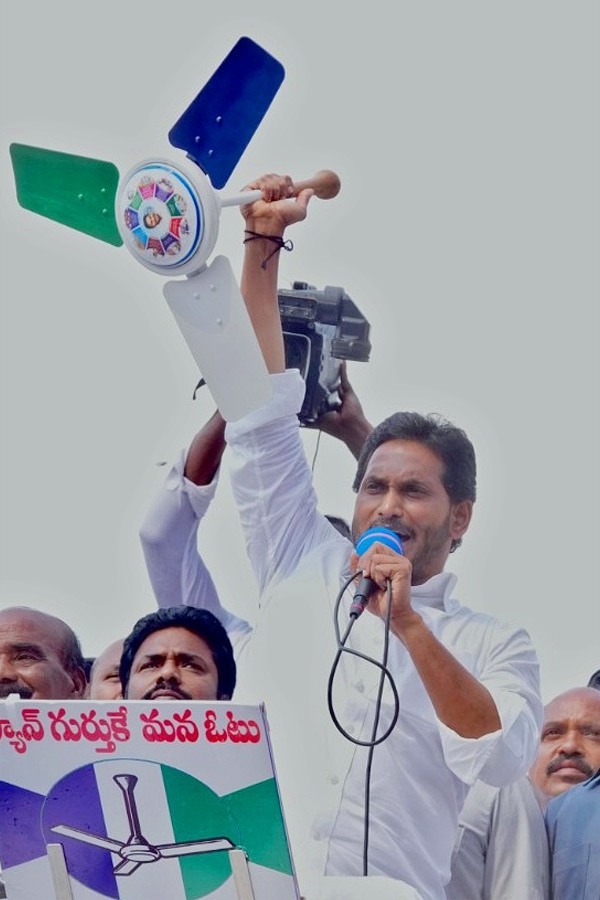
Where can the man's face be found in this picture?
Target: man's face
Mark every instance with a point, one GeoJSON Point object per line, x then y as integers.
{"type": "Point", "coordinates": [31, 658]}
{"type": "Point", "coordinates": [173, 664]}
{"type": "Point", "coordinates": [402, 489]}
{"type": "Point", "coordinates": [105, 683]}
{"type": "Point", "coordinates": [569, 749]}
{"type": "Point", "coordinates": [151, 219]}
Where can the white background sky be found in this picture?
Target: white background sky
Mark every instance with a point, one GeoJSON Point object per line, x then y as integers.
{"type": "Point", "coordinates": [466, 135]}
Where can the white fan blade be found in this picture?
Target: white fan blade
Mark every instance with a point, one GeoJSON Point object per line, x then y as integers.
{"type": "Point", "coordinates": [127, 867]}
{"type": "Point", "coordinates": [88, 837]}
{"type": "Point", "coordinates": [184, 848]}
{"type": "Point", "coordinates": [214, 321]}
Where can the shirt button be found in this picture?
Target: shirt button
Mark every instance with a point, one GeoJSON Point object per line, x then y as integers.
{"type": "Point", "coordinates": [334, 779]}
{"type": "Point", "coordinates": [360, 687]}
{"type": "Point", "coordinates": [350, 729]}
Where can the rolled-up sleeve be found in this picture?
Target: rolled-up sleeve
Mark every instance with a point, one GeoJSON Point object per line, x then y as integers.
{"type": "Point", "coordinates": [511, 675]}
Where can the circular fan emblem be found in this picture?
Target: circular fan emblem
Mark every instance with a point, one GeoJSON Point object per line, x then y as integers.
{"type": "Point", "coordinates": [162, 215]}
{"type": "Point", "coordinates": [134, 829]}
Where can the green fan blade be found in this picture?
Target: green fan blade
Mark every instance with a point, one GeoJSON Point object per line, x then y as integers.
{"type": "Point", "coordinates": [74, 190]}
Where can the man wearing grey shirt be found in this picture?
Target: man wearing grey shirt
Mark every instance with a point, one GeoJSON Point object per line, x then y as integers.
{"type": "Point", "coordinates": [501, 851]}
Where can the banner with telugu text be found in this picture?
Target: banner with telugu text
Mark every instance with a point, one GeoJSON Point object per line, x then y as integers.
{"type": "Point", "coordinates": [145, 798]}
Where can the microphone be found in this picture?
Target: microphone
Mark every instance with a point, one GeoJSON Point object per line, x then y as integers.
{"type": "Point", "coordinates": [367, 585]}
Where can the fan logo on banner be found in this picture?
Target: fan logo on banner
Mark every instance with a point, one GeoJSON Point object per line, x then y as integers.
{"type": "Point", "coordinates": [131, 825]}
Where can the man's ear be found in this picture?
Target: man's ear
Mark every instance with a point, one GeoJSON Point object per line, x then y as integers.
{"type": "Point", "coordinates": [460, 518]}
{"type": "Point", "coordinates": [80, 682]}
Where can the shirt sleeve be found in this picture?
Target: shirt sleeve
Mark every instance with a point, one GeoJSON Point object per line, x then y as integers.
{"type": "Point", "coordinates": [507, 666]}
{"type": "Point", "coordinates": [272, 484]}
{"type": "Point", "coordinates": [169, 537]}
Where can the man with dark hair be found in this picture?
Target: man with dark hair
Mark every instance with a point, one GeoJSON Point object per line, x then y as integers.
{"type": "Point", "coordinates": [40, 656]}
{"type": "Point", "coordinates": [178, 653]}
{"type": "Point", "coordinates": [467, 684]}
{"type": "Point", "coordinates": [449, 443]}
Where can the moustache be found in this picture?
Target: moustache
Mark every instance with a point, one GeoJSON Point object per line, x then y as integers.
{"type": "Point", "coordinates": [574, 761]}
{"type": "Point", "coordinates": [394, 524]}
{"type": "Point", "coordinates": [167, 686]}
{"type": "Point", "coordinates": [14, 687]}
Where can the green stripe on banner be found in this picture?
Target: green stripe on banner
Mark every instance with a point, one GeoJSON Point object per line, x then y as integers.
{"type": "Point", "coordinates": [197, 813]}
{"type": "Point", "coordinates": [257, 812]}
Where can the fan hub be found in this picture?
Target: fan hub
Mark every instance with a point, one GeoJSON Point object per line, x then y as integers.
{"type": "Point", "coordinates": [139, 853]}
{"type": "Point", "coordinates": [164, 216]}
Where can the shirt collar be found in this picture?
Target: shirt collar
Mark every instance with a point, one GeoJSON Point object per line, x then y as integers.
{"type": "Point", "coordinates": [436, 592]}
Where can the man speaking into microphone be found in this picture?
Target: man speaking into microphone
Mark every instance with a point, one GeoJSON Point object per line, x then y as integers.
{"type": "Point", "coordinates": [466, 702]}
{"type": "Point", "coordinates": [467, 684]}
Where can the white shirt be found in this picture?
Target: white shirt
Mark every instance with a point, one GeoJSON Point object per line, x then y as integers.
{"type": "Point", "coordinates": [169, 540]}
{"type": "Point", "coordinates": [179, 576]}
{"type": "Point", "coordinates": [421, 773]}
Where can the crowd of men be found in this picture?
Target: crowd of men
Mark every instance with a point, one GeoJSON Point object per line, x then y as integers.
{"type": "Point", "coordinates": [476, 791]}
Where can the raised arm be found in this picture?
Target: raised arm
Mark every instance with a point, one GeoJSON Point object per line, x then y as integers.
{"type": "Point", "coordinates": [271, 479]}
{"type": "Point", "coordinates": [206, 450]}
{"type": "Point", "coordinates": [266, 221]}
{"type": "Point", "coordinates": [169, 533]}
{"type": "Point", "coordinates": [284, 204]}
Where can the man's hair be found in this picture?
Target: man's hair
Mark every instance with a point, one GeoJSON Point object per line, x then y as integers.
{"type": "Point", "coordinates": [449, 443]}
{"type": "Point", "coordinates": [198, 621]}
{"type": "Point", "coordinates": [340, 525]}
{"type": "Point", "coordinates": [594, 681]}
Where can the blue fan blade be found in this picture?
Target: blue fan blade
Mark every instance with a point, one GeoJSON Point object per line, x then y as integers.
{"type": "Point", "coordinates": [217, 126]}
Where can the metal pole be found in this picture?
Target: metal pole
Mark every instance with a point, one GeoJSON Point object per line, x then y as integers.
{"type": "Point", "coordinates": [241, 875]}
{"type": "Point", "coordinates": [60, 875]}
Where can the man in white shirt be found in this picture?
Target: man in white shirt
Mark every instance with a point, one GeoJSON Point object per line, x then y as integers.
{"type": "Point", "coordinates": [467, 685]}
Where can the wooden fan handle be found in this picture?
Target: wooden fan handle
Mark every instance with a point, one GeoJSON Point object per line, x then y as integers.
{"type": "Point", "coordinates": [326, 184]}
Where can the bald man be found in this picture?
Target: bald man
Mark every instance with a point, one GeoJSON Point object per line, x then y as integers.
{"type": "Point", "coordinates": [502, 848]}
{"type": "Point", "coordinates": [105, 683]}
{"type": "Point", "coordinates": [40, 656]}
{"type": "Point", "coordinates": [40, 659]}
{"type": "Point", "coordinates": [570, 743]}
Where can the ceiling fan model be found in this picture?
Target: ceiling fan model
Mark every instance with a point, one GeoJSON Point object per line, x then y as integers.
{"type": "Point", "coordinates": [167, 215]}
{"type": "Point", "coordinates": [137, 850]}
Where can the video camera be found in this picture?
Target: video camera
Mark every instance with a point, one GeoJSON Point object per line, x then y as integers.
{"type": "Point", "coordinates": [320, 329]}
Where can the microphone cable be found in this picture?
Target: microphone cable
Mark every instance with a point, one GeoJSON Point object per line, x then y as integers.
{"type": "Point", "coordinates": [384, 673]}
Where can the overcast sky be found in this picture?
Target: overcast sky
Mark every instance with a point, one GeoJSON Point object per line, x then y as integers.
{"type": "Point", "coordinates": [466, 135]}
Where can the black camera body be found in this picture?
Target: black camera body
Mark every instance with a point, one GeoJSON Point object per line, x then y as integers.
{"type": "Point", "coordinates": [320, 329]}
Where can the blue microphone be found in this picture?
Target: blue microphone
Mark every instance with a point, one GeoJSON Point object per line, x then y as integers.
{"type": "Point", "coordinates": [367, 585]}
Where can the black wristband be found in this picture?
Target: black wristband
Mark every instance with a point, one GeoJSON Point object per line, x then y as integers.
{"type": "Point", "coordinates": [274, 238]}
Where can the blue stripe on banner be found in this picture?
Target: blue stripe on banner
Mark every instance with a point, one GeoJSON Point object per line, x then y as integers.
{"type": "Point", "coordinates": [22, 841]}
{"type": "Point", "coordinates": [74, 801]}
